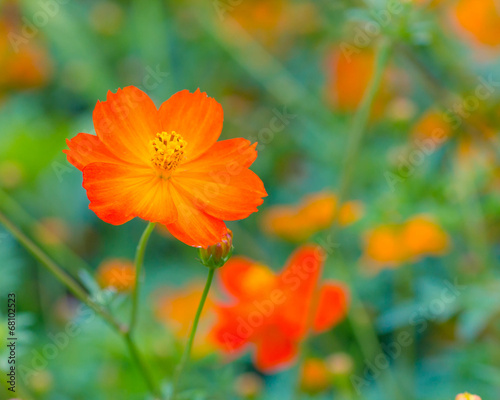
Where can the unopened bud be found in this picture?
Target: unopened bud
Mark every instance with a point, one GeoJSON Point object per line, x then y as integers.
{"type": "Point", "coordinates": [216, 255]}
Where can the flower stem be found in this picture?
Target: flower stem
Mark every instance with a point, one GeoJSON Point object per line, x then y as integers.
{"type": "Point", "coordinates": [79, 293]}
{"type": "Point", "coordinates": [360, 122]}
{"type": "Point", "coordinates": [187, 350]}
{"type": "Point", "coordinates": [142, 366]}
{"type": "Point", "coordinates": [362, 329]}
{"type": "Point", "coordinates": [59, 273]}
{"type": "Point", "coordinates": [139, 261]}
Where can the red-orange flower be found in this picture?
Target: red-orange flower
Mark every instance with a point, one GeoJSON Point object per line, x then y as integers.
{"type": "Point", "coordinates": [165, 165]}
{"type": "Point", "coordinates": [271, 311]}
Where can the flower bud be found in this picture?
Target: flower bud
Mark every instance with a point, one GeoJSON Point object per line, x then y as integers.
{"type": "Point", "coordinates": [216, 255]}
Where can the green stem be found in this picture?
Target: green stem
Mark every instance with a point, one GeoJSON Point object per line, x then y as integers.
{"type": "Point", "coordinates": [187, 350]}
{"type": "Point", "coordinates": [79, 293]}
{"type": "Point", "coordinates": [363, 331]}
{"type": "Point", "coordinates": [60, 252]}
{"type": "Point", "coordinates": [142, 366]}
{"type": "Point", "coordinates": [58, 272]}
{"type": "Point", "coordinates": [360, 122]}
{"type": "Point", "coordinates": [139, 261]}
{"type": "Point", "coordinates": [358, 129]}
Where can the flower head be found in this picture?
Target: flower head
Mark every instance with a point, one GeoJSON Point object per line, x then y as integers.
{"type": "Point", "coordinates": [348, 76]}
{"type": "Point", "coordinates": [389, 246]}
{"type": "Point", "coordinates": [165, 165]}
{"type": "Point", "coordinates": [272, 311]}
{"type": "Point", "coordinates": [116, 273]}
{"type": "Point", "coordinates": [432, 125]}
{"type": "Point", "coordinates": [480, 20]}
{"type": "Point", "coordinates": [314, 213]}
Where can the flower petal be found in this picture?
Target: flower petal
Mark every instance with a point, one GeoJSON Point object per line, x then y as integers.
{"type": "Point", "coordinates": [85, 149]}
{"type": "Point", "coordinates": [275, 350]}
{"type": "Point", "coordinates": [126, 123]}
{"type": "Point", "coordinates": [193, 226]}
{"type": "Point", "coordinates": [243, 278]}
{"type": "Point", "coordinates": [228, 333]}
{"type": "Point", "coordinates": [332, 306]}
{"type": "Point", "coordinates": [196, 117]}
{"type": "Point", "coordinates": [235, 200]}
{"type": "Point", "coordinates": [118, 193]}
{"type": "Point", "coordinates": [298, 282]}
{"type": "Point", "coordinates": [220, 183]}
{"type": "Point", "coordinates": [239, 153]}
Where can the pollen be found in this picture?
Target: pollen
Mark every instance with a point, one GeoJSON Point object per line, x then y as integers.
{"type": "Point", "coordinates": [168, 150]}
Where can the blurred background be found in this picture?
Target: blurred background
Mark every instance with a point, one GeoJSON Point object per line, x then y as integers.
{"type": "Point", "coordinates": [417, 238]}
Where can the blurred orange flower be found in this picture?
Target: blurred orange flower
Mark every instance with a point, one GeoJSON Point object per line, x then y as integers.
{"type": "Point", "coordinates": [315, 376]}
{"type": "Point", "coordinates": [315, 213]}
{"type": "Point", "coordinates": [481, 19]}
{"type": "Point", "coordinates": [116, 273]}
{"type": "Point", "coordinates": [348, 77]}
{"type": "Point", "coordinates": [467, 396]}
{"type": "Point", "coordinates": [272, 21]}
{"type": "Point", "coordinates": [166, 165]}
{"type": "Point", "coordinates": [432, 125]}
{"type": "Point", "coordinates": [422, 236]}
{"type": "Point", "coordinates": [24, 63]}
{"type": "Point", "coordinates": [259, 16]}
{"type": "Point", "coordinates": [270, 311]}
{"type": "Point", "coordinates": [175, 309]}
{"type": "Point", "coordinates": [388, 246]}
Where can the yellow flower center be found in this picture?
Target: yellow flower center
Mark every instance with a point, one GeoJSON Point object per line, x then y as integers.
{"type": "Point", "coordinates": [168, 150]}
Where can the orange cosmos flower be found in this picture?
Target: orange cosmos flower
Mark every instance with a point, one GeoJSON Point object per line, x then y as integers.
{"type": "Point", "coordinates": [481, 19]}
{"type": "Point", "coordinates": [175, 309]}
{"type": "Point", "coordinates": [116, 273]}
{"type": "Point", "coordinates": [165, 165]}
{"type": "Point", "coordinates": [270, 311]}
{"type": "Point", "coordinates": [389, 246]}
{"type": "Point", "coordinates": [315, 213]}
